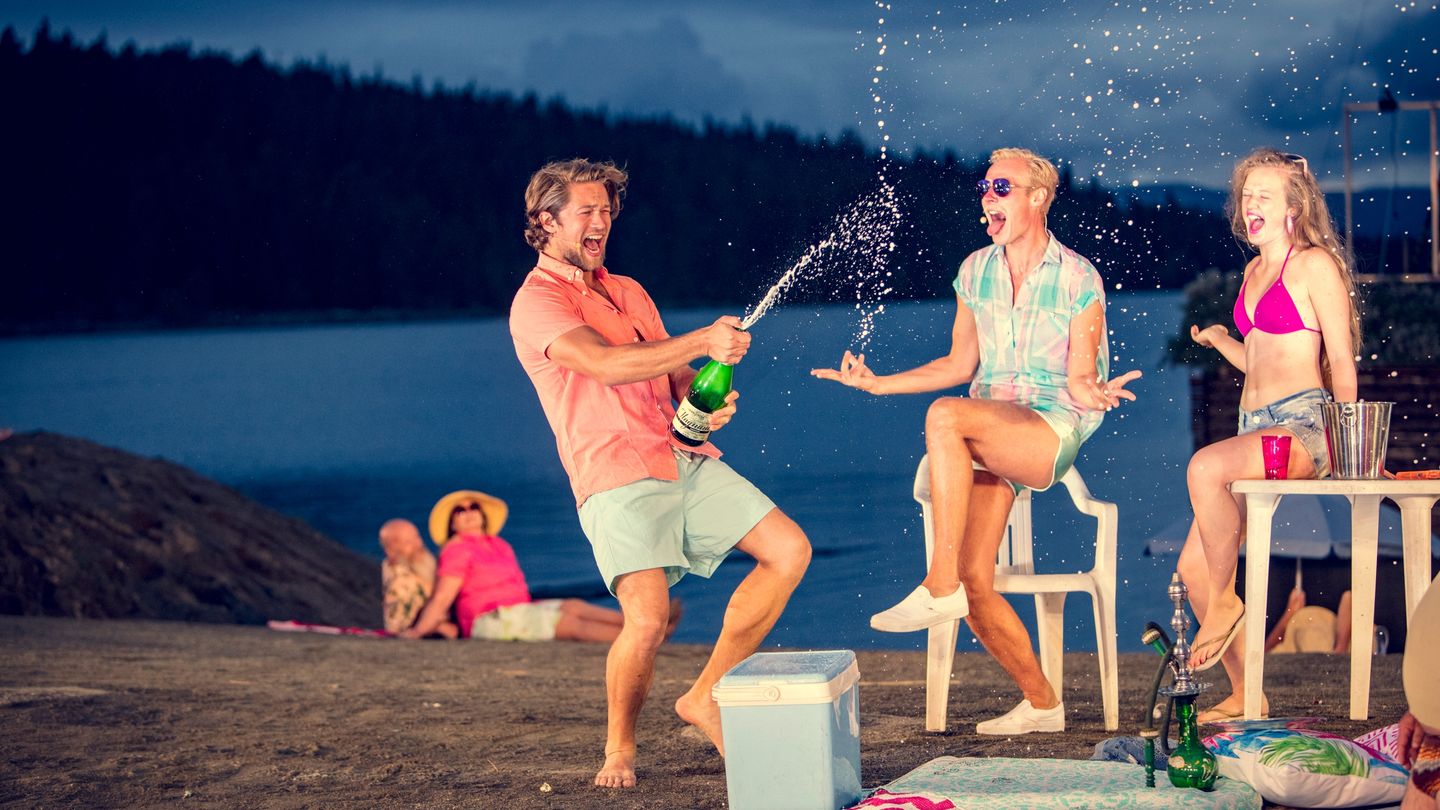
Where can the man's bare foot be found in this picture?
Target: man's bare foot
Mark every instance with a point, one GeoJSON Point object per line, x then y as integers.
{"type": "Point", "coordinates": [702, 712]}
{"type": "Point", "coordinates": [619, 770]}
{"type": "Point", "coordinates": [1220, 628]}
{"type": "Point", "coordinates": [1231, 708]}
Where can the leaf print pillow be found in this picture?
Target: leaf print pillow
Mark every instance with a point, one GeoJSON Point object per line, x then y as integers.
{"type": "Point", "coordinates": [1308, 768]}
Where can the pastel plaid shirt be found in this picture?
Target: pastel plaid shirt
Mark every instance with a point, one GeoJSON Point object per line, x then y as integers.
{"type": "Point", "coordinates": [1024, 345]}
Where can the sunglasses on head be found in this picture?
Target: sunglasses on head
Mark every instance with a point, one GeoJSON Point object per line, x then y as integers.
{"type": "Point", "coordinates": [1298, 160]}
{"type": "Point", "coordinates": [1001, 185]}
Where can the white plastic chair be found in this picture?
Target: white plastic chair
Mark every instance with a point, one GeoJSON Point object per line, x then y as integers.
{"type": "Point", "coordinates": [1015, 573]}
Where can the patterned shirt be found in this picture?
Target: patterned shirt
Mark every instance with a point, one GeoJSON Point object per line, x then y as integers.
{"type": "Point", "coordinates": [1024, 345]}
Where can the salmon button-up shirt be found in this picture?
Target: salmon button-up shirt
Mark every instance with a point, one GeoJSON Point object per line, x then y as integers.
{"type": "Point", "coordinates": [607, 436]}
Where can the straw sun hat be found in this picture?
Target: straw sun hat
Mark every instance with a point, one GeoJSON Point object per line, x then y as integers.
{"type": "Point", "coordinates": [495, 513]}
{"type": "Point", "coordinates": [1311, 629]}
{"type": "Point", "coordinates": [1422, 661]}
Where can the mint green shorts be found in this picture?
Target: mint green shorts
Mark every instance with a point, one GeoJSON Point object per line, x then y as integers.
{"type": "Point", "coordinates": [1070, 440]}
{"type": "Point", "coordinates": [684, 527]}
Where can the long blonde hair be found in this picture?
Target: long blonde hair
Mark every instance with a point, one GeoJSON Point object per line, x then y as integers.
{"type": "Point", "coordinates": [1310, 227]}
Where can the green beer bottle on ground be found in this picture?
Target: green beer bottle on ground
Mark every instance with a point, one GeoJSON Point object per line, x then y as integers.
{"type": "Point", "coordinates": [691, 425]}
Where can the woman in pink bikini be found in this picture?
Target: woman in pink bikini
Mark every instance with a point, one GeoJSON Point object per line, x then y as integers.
{"type": "Point", "coordinates": [1298, 335]}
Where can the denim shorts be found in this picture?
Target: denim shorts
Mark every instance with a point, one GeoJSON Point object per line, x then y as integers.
{"type": "Point", "coordinates": [684, 527]}
{"type": "Point", "coordinates": [1300, 414]}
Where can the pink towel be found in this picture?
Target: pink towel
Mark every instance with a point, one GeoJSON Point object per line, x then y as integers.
{"type": "Point", "coordinates": [327, 629]}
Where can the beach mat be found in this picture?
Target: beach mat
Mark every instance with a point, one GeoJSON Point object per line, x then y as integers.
{"type": "Point", "coordinates": [326, 629]}
{"type": "Point", "coordinates": [1007, 782]}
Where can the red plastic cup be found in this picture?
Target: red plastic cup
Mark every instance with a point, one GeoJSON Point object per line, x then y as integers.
{"type": "Point", "coordinates": [1276, 452]}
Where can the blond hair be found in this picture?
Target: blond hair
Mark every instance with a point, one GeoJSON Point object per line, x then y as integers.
{"type": "Point", "coordinates": [549, 191]}
{"type": "Point", "coordinates": [1042, 171]}
{"type": "Point", "coordinates": [1310, 226]}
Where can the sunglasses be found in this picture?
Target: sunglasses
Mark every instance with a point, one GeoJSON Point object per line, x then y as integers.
{"type": "Point", "coordinates": [1001, 185]}
{"type": "Point", "coordinates": [468, 507]}
{"type": "Point", "coordinates": [1298, 160]}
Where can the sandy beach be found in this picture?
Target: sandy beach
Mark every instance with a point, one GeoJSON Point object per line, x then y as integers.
{"type": "Point", "coordinates": [111, 713]}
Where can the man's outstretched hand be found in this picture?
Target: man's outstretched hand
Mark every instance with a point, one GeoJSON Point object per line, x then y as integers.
{"type": "Point", "coordinates": [1098, 394]}
{"type": "Point", "coordinates": [852, 372]}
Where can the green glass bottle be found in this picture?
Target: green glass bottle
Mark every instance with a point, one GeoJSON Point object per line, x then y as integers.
{"type": "Point", "coordinates": [691, 425]}
{"type": "Point", "coordinates": [1190, 765]}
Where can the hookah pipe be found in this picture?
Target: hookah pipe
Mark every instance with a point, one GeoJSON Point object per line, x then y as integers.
{"type": "Point", "coordinates": [1155, 638]}
{"type": "Point", "coordinates": [1189, 764]}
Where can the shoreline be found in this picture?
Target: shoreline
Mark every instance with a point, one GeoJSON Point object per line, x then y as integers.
{"type": "Point", "coordinates": [127, 713]}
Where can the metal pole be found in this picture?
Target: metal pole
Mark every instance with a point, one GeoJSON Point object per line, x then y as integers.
{"type": "Point", "coordinates": [1349, 187]}
{"type": "Point", "coordinates": [1434, 197]}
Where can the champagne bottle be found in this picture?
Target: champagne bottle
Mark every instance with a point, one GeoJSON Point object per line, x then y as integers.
{"type": "Point", "coordinates": [691, 425]}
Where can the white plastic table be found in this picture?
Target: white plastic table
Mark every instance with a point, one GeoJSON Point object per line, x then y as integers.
{"type": "Point", "coordinates": [1415, 499]}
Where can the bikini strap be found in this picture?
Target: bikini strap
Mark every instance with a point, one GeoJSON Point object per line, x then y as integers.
{"type": "Point", "coordinates": [1286, 262]}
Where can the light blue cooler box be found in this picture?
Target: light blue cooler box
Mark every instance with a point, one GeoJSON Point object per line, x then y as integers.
{"type": "Point", "coordinates": [791, 723]}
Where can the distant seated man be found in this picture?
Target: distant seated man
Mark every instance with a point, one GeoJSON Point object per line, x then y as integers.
{"type": "Point", "coordinates": [480, 577]}
{"type": "Point", "coordinates": [407, 577]}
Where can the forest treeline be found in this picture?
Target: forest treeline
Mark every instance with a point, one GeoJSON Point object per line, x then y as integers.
{"type": "Point", "coordinates": [171, 187]}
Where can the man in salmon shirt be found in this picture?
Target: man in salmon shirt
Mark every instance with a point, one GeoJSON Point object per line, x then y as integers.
{"type": "Point", "coordinates": [608, 375]}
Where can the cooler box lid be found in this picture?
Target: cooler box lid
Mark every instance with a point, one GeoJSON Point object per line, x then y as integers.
{"type": "Point", "coordinates": [766, 679]}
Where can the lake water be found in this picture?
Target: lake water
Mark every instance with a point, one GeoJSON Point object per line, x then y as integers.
{"type": "Point", "coordinates": [347, 426]}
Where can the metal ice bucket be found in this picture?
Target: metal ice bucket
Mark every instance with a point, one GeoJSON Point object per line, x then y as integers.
{"type": "Point", "coordinates": [1357, 434]}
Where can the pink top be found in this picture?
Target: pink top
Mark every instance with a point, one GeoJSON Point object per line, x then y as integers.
{"type": "Point", "coordinates": [608, 436]}
{"type": "Point", "coordinates": [1275, 312]}
{"type": "Point", "coordinates": [490, 576]}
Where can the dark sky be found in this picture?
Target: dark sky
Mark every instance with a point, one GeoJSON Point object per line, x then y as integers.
{"type": "Point", "coordinates": [1138, 92]}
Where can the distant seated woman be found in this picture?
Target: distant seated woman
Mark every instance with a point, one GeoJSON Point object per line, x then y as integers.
{"type": "Point", "coordinates": [480, 577]}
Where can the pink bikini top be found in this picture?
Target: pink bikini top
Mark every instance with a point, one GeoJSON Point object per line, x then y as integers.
{"type": "Point", "coordinates": [1275, 312]}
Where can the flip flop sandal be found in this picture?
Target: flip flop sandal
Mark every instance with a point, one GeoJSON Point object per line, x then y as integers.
{"type": "Point", "coordinates": [1224, 643]}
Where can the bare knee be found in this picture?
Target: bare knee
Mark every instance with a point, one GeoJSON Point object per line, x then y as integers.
{"type": "Point", "coordinates": [790, 557]}
{"type": "Point", "coordinates": [1207, 470]}
{"type": "Point", "coordinates": [779, 545]}
{"type": "Point", "coordinates": [978, 580]}
{"type": "Point", "coordinates": [1203, 470]}
{"type": "Point", "coordinates": [947, 415]}
{"type": "Point", "coordinates": [645, 629]}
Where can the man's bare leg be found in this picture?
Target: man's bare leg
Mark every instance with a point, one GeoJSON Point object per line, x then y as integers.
{"type": "Point", "coordinates": [781, 553]}
{"type": "Point", "coordinates": [993, 621]}
{"type": "Point", "coordinates": [644, 602]}
{"type": "Point", "coordinates": [971, 509]}
{"type": "Point", "coordinates": [1010, 440]}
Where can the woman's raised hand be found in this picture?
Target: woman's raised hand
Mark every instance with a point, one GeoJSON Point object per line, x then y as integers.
{"type": "Point", "coordinates": [1206, 337]}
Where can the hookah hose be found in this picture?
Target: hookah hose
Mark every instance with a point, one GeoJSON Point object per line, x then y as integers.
{"type": "Point", "coordinates": [1155, 638]}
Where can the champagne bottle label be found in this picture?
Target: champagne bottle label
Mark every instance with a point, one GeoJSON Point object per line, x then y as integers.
{"type": "Point", "coordinates": [691, 425]}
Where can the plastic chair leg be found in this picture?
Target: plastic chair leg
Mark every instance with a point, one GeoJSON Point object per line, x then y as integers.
{"type": "Point", "coordinates": [1050, 626]}
{"type": "Point", "coordinates": [1105, 646]}
{"type": "Point", "coordinates": [939, 662]}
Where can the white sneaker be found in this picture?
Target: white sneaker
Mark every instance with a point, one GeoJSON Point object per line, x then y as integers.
{"type": "Point", "coordinates": [1024, 719]}
{"type": "Point", "coordinates": [920, 610]}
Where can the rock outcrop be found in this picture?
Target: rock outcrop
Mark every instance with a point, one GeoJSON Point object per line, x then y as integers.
{"type": "Point", "coordinates": [90, 531]}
